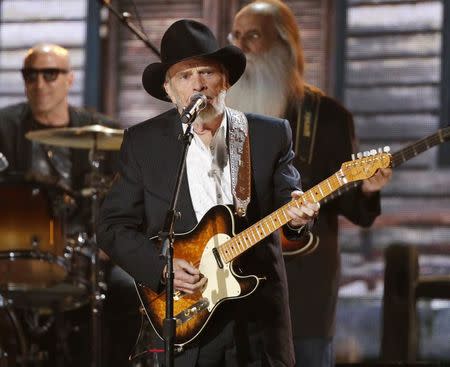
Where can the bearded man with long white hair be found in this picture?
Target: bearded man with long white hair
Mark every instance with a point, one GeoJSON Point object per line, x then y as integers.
{"type": "Point", "coordinates": [323, 130]}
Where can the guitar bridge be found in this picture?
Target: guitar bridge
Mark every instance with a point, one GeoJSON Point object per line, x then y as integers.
{"type": "Point", "coordinates": [192, 311]}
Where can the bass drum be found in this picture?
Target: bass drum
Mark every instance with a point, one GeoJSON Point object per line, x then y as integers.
{"type": "Point", "coordinates": [31, 238]}
{"type": "Point", "coordinates": [34, 272]}
{"type": "Point", "coordinates": [13, 345]}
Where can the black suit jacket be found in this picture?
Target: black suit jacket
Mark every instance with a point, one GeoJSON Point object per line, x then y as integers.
{"type": "Point", "coordinates": [135, 208]}
{"type": "Point", "coordinates": [16, 120]}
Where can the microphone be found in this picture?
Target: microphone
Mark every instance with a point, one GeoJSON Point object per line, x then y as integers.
{"type": "Point", "coordinates": [197, 103]}
{"type": "Point", "coordinates": [3, 162]}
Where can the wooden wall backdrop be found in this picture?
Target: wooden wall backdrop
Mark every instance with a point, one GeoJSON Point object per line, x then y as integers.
{"type": "Point", "coordinates": [134, 105]}
{"type": "Point", "coordinates": [24, 23]}
{"type": "Point", "coordinates": [392, 85]}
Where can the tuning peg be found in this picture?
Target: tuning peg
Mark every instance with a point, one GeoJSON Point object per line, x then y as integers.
{"type": "Point", "coordinates": [359, 155]}
{"type": "Point", "coordinates": [386, 149]}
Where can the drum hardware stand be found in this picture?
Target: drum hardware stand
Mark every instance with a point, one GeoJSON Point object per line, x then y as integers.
{"type": "Point", "coordinates": [98, 295]}
{"type": "Point", "coordinates": [23, 358]}
{"type": "Point", "coordinates": [36, 329]}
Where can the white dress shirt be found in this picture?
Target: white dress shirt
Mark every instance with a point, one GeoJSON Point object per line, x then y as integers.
{"type": "Point", "coordinates": [208, 171]}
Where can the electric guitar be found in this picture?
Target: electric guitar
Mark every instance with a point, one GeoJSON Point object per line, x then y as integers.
{"type": "Point", "coordinates": [294, 248]}
{"type": "Point", "coordinates": [212, 246]}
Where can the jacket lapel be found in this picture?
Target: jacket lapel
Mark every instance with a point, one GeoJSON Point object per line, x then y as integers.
{"type": "Point", "coordinates": [174, 150]}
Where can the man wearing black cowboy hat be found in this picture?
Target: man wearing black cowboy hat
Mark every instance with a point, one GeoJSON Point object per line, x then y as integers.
{"type": "Point", "coordinates": [229, 162]}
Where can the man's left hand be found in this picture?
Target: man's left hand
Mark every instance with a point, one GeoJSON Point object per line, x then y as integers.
{"type": "Point", "coordinates": [305, 213]}
{"type": "Point", "coordinates": [377, 181]}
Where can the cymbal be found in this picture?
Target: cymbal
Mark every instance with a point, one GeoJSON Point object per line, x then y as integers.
{"type": "Point", "coordinates": [83, 137]}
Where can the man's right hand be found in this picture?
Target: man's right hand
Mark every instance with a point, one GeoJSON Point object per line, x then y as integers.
{"type": "Point", "coordinates": [187, 278]}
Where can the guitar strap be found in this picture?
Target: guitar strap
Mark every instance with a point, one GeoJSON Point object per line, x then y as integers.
{"type": "Point", "coordinates": [240, 164]}
{"type": "Point", "coordinates": [306, 126]}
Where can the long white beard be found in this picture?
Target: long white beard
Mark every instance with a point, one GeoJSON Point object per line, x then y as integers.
{"type": "Point", "coordinates": [264, 86]}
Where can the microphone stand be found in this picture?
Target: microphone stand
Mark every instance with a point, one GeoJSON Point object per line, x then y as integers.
{"type": "Point", "coordinates": [166, 237]}
{"type": "Point", "coordinates": [98, 295]}
{"type": "Point", "coordinates": [125, 19]}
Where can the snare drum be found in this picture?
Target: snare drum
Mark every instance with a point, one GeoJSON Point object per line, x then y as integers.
{"type": "Point", "coordinates": [31, 238]}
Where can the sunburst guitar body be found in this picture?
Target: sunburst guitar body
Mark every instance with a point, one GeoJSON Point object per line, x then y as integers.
{"type": "Point", "coordinates": [199, 246]}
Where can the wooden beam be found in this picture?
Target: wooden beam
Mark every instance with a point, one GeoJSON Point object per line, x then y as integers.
{"type": "Point", "coordinates": [444, 151]}
{"type": "Point", "coordinates": [399, 338]}
{"type": "Point", "coordinates": [110, 64]}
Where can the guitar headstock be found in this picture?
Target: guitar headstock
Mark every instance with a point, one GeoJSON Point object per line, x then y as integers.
{"type": "Point", "coordinates": [366, 165]}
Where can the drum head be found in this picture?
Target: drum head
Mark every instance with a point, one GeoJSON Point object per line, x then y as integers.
{"type": "Point", "coordinates": [61, 297]}
{"type": "Point", "coordinates": [52, 288]}
{"type": "Point", "coordinates": [25, 270]}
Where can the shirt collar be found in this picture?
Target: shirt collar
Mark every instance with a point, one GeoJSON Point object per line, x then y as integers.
{"type": "Point", "coordinates": [223, 124]}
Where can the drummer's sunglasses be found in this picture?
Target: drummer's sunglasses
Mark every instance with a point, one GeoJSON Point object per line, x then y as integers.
{"type": "Point", "coordinates": [30, 75]}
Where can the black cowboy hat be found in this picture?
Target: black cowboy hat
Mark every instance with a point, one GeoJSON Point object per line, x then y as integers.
{"type": "Point", "coordinates": [187, 39]}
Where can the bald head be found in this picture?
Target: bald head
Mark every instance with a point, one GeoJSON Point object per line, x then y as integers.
{"type": "Point", "coordinates": [259, 7]}
{"type": "Point", "coordinates": [47, 77]}
{"type": "Point", "coordinates": [276, 23]}
{"type": "Point", "coordinates": [56, 52]}
{"type": "Point", "coordinates": [254, 29]}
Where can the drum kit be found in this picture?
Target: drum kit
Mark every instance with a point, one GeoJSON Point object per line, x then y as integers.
{"type": "Point", "coordinates": [44, 271]}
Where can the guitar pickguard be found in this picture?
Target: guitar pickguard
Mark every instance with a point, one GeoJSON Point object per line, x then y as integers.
{"type": "Point", "coordinates": [221, 283]}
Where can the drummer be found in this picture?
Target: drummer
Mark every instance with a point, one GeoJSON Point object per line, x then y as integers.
{"type": "Point", "coordinates": [48, 78]}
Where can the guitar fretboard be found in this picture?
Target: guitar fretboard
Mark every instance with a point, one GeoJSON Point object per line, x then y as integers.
{"type": "Point", "coordinates": [419, 147]}
{"type": "Point", "coordinates": [260, 230]}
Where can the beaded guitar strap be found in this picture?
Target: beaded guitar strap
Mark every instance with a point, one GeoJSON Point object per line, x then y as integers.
{"type": "Point", "coordinates": [240, 164]}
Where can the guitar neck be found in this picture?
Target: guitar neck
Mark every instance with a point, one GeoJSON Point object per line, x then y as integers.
{"type": "Point", "coordinates": [266, 226]}
{"type": "Point", "coordinates": [342, 190]}
{"type": "Point", "coordinates": [418, 147]}
{"type": "Point", "coordinates": [335, 184]}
